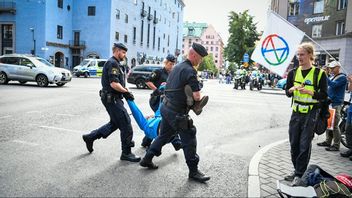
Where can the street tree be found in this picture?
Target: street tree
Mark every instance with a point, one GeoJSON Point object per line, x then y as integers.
{"type": "Point", "coordinates": [208, 64]}
{"type": "Point", "coordinates": [243, 35]}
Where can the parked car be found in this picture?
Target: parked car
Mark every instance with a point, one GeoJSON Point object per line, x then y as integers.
{"type": "Point", "coordinates": [89, 67]}
{"type": "Point", "coordinates": [281, 83]}
{"type": "Point", "coordinates": [140, 73]}
{"type": "Point", "coordinates": [24, 68]}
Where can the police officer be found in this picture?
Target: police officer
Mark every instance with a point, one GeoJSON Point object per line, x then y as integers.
{"type": "Point", "coordinates": [113, 83]}
{"type": "Point", "coordinates": [307, 86]}
{"type": "Point", "coordinates": [154, 81]}
{"type": "Point", "coordinates": [174, 112]}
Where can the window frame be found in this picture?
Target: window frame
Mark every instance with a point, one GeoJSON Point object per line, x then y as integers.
{"type": "Point", "coordinates": [91, 10]}
{"type": "Point", "coordinates": [316, 9]}
{"type": "Point", "coordinates": [59, 32]}
{"type": "Point", "coordinates": [321, 28]}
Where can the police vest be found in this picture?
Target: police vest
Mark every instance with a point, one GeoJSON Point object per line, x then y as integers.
{"type": "Point", "coordinates": [303, 103]}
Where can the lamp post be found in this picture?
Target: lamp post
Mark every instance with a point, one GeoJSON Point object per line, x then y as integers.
{"type": "Point", "coordinates": [33, 51]}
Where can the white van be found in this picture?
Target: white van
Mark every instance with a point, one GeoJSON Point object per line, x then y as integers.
{"type": "Point", "coordinates": [89, 67]}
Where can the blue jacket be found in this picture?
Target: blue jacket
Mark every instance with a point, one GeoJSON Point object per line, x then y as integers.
{"type": "Point", "coordinates": [336, 89]}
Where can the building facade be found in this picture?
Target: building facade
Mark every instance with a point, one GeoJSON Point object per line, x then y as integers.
{"type": "Point", "coordinates": [68, 31]}
{"type": "Point", "coordinates": [205, 35]}
{"type": "Point", "coordinates": [329, 23]}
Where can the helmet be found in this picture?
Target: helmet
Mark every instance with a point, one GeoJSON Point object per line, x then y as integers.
{"type": "Point", "coordinates": [345, 179]}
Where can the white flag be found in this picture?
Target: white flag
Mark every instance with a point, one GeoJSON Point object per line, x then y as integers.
{"type": "Point", "coordinates": [278, 44]}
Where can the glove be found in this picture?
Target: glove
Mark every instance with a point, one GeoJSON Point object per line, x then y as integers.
{"type": "Point", "coordinates": [156, 92]}
{"type": "Point", "coordinates": [128, 96]}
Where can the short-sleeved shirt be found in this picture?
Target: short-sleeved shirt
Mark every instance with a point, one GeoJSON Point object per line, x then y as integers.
{"type": "Point", "coordinates": [181, 75]}
{"type": "Point", "coordinates": [113, 71]}
{"type": "Point", "coordinates": [157, 77]}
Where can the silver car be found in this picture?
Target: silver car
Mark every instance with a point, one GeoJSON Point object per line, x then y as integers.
{"type": "Point", "coordinates": [24, 68]}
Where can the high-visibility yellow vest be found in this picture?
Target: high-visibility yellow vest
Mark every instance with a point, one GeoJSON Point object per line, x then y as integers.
{"type": "Point", "coordinates": [303, 103]}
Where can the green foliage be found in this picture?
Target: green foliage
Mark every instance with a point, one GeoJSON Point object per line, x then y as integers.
{"type": "Point", "coordinates": [243, 35]}
{"type": "Point", "coordinates": [232, 67]}
{"type": "Point", "coordinates": [208, 64]}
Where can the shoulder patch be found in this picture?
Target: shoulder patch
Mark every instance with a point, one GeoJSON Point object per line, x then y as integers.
{"type": "Point", "coordinates": [114, 71]}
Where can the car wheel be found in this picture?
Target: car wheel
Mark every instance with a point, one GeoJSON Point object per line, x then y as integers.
{"type": "Point", "coordinates": [77, 75]}
{"type": "Point", "coordinates": [42, 80]}
{"type": "Point", "coordinates": [140, 84]}
{"type": "Point", "coordinates": [86, 74]}
{"type": "Point", "coordinates": [60, 84]}
{"type": "Point", "coordinates": [3, 78]}
{"type": "Point", "coordinates": [22, 82]}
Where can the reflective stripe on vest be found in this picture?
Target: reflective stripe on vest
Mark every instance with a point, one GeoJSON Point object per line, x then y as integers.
{"type": "Point", "coordinates": [303, 103]}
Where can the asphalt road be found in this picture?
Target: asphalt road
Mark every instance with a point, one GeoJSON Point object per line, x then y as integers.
{"type": "Point", "coordinates": [42, 152]}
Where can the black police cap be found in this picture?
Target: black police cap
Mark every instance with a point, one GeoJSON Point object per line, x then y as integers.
{"type": "Point", "coordinates": [171, 58]}
{"type": "Point", "coordinates": [120, 46]}
{"type": "Point", "coordinates": [200, 49]}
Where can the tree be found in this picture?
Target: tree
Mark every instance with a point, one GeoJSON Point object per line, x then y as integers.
{"type": "Point", "coordinates": [243, 35]}
{"type": "Point", "coordinates": [208, 64]}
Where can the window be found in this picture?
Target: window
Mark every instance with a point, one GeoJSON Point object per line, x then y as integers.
{"type": "Point", "coordinates": [341, 4]}
{"type": "Point", "coordinates": [216, 48]}
{"type": "Point", "coordinates": [316, 31]}
{"type": "Point", "coordinates": [91, 10]}
{"type": "Point", "coordinates": [211, 48]}
{"type": "Point", "coordinates": [318, 6]}
{"type": "Point", "coordinates": [134, 35]}
{"type": "Point", "coordinates": [117, 14]}
{"type": "Point", "coordinates": [293, 9]}
{"type": "Point", "coordinates": [148, 34]}
{"type": "Point", "coordinates": [126, 18]}
{"type": "Point", "coordinates": [117, 36]}
{"type": "Point", "coordinates": [340, 27]}
{"type": "Point", "coordinates": [142, 32]}
{"type": "Point", "coordinates": [60, 3]}
{"type": "Point", "coordinates": [125, 38]}
{"type": "Point", "coordinates": [135, 2]}
{"type": "Point", "coordinates": [59, 32]}
{"type": "Point", "coordinates": [158, 43]}
{"type": "Point", "coordinates": [168, 40]}
{"type": "Point", "coordinates": [154, 29]}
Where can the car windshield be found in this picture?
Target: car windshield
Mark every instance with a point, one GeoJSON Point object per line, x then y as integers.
{"type": "Point", "coordinates": [84, 62]}
{"type": "Point", "coordinates": [47, 63]}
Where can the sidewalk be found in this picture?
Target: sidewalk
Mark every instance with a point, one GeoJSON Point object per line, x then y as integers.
{"type": "Point", "coordinates": [276, 163]}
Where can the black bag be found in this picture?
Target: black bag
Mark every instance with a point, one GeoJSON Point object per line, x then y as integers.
{"type": "Point", "coordinates": [323, 115]}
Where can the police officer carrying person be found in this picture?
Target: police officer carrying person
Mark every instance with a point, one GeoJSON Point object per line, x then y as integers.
{"type": "Point", "coordinates": [307, 85]}
{"type": "Point", "coordinates": [154, 81]}
{"type": "Point", "coordinates": [182, 84]}
{"type": "Point", "coordinates": [113, 82]}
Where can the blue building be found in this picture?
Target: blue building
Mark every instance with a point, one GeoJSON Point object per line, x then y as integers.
{"type": "Point", "coordinates": [68, 31]}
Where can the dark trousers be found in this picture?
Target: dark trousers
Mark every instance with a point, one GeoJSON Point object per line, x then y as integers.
{"type": "Point", "coordinates": [168, 131]}
{"type": "Point", "coordinates": [119, 119]}
{"type": "Point", "coordinates": [147, 141]}
{"type": "Point", "coordinates": [300, 136]}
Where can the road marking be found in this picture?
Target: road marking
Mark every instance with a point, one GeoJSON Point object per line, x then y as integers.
{"type": "Point", "coordinates": [63, 114]}
{"type": "Point", "coordinates": [7, 116]}
{"type": "Point", "coordinates": [33, 112]}
{"type": "Point", "coordinates": [62, 129]}
{"type": "Point", "coordinates": [26, 143]}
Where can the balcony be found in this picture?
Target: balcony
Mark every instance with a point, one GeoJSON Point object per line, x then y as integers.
{"type": "Point", "coordinates": [76, 44]}
{"type": "Point", "coordinates": [150, 17]}
{"type": "Point", "coordinates": [155, 21]}
{"type": "Point", "coordinates": [143, 13]}
{"type": "Point", "coordinates": [7, 6]}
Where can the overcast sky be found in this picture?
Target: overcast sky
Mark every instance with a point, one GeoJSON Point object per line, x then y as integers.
{"type": "Point", "coordinates": [216, 12]}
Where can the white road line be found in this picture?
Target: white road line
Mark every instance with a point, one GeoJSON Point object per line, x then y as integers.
{"type": "Point", "coordinates": [26, 143]}
{"type": "Point", "coordinates": [7, 116]}
{"type": "Point", "coordinates": [62, 129]}
{"type": "Point", "coordinates": [33, 112]}
{"type": "Point", "coordinates": [63, 114]}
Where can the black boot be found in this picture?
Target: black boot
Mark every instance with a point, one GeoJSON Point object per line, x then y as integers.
{"type": "Point", "coordinates": [89, 139]}
{"type": "Point", "coordinates": [129, 156]}
{"type": "Point", "coordinates": [198, 176]}
{"type": "Point", "coordinates": [147, 162]}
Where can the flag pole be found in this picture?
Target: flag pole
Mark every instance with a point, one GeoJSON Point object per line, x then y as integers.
{"type": "Point", "coordinates": [306, 36]}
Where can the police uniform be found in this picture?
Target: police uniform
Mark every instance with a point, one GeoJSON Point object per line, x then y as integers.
{"type": "Point", "coordinates": [304, 114]}
{"type": "Point", "coordinates": [158, 77]}
{"type": "Point", "coordinates": [113, 71]}
{"type": "Point", "coordinates": [175, 118]}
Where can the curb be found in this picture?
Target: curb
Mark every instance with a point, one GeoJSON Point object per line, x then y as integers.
{"type": "Point", "coordinates": [253, 170]}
